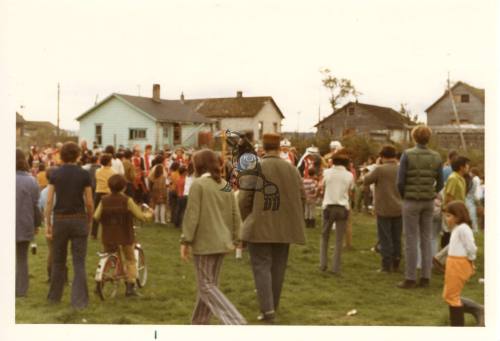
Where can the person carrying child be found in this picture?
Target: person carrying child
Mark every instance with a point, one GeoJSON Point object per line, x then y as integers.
{"type": "Point", "coordinates": [116, 212]}
{"type": "Point", "coordinates": [459, 265]}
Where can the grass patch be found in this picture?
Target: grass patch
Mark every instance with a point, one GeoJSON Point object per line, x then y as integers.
{"type": "Point", "coordinates": [309, 297]}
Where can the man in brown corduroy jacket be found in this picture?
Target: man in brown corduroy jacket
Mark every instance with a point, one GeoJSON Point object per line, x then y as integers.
{"type": "Point", "coordinates": [387, 208]}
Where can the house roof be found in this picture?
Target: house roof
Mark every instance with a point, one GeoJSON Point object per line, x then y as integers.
{"type": "Point", "coordinates": [231, 106]}
{"type": "Point", "coordinates": [163, 111]}
{"type": "Point", "coordinates": [392, 118]}
{"type": "Point", "coordinates": [20, 118]}
{"type": "Point", "coordinates": [39, 124]}
{"type": "Point", "coordinates": [479, 93]}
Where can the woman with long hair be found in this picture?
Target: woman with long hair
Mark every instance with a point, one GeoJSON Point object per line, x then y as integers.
{"type": "Point", "coordinates": [211, 228]}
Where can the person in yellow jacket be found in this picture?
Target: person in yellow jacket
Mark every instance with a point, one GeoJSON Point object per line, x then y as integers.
{"type": "Point", "coordinates": [102, 176]}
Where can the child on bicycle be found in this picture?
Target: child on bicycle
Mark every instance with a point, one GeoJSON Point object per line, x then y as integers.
{"type": "Point", "coordinates": [116, 212]}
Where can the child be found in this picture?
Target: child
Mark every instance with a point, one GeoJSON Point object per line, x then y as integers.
{"type": "Point", "coordinates": [172, 189]}
{"type": "Point", "coordinates": [116, 212]}
{"type": "Point", "coordinates": [459, 265]}
{"type": "Point", "coordinates": [311, 190]}
{"type": "Point", "coordinates": [211, 228]}
{"type": "Point", "coordinates": [101, 179]}
{"type": "Point", "coordinates": [181, 203]}
{"type": "Point", "coordinates": [41, 177]}
{"type": "Point", "coordinates": [159, 194]}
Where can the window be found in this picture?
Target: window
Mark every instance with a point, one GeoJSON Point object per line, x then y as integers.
{"type": "Point", "coordinates": [136, 134]}
{"type": "Point", "coordinates": [464, 98]}
{"type": "Point", "coordinates": [165, 131]}
{"type": "Point", "coordinates": [275, 127]}
{"type": "Point", "coordinates": [217, 125]}
{"type": "Point", "coordinates": [177, 133]}
{"type": "Point", "coordinates": [98, 134]}
{"type": "Point", "coordinates": [350, 111]}
{"type": "Point", "coordinates": [261, 129]}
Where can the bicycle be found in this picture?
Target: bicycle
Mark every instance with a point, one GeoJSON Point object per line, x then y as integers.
{"type": "Point", "coordinates": [110, 272]}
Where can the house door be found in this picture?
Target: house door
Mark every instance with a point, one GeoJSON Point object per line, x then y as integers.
{"type": "Point", "coordinates": [177, 134]}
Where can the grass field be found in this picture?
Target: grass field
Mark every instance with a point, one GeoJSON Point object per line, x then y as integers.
{"type": "Point", "coordinates": [309, 297]}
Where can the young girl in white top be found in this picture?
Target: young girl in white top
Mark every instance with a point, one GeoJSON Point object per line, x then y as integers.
{"type": "Point", "coordinates": [459, 265]}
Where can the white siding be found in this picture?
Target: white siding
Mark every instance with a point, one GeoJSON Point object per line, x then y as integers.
{"type": "Point", "coordinates": [116, 118]}
{"type": "Point", "coordinates": [268, 115]}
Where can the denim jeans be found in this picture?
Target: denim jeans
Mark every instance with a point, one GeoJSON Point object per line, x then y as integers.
{"type": "Point", "coordinates": [389, 235]}
{"type": "Point", "coordinates": [22, 275]}
{"type": "Point", "coordinates": [417, 223]}
{"type": "Point", "coordinates": [67, 230]}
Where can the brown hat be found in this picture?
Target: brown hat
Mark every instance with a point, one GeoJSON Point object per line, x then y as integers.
{"type": "Point", "coordinates": [271, 141]}
{"type": "Point", "coordinates": [341, 154]}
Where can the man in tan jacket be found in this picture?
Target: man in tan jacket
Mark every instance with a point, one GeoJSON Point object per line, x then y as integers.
{"type": "Point", "coordinates": [271, 202]}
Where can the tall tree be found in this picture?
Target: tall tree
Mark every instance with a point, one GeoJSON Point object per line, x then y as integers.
{"type": "Point", "coordinates": [340, 88]}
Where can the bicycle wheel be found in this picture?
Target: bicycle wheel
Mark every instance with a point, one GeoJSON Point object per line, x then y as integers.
{"type": "Point", "coordinates": [107, 286]}
{"type": "Point", "coordinates": [142, 270]}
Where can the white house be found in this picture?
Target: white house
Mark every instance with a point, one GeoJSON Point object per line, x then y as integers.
{"type": "Point", "coordinates": [253, 115]}
{"type": "Point", "coordinates": [132, 120]}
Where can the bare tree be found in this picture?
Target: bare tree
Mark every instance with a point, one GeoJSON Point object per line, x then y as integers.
{"type": "Point", "coordinates": [340, 88]}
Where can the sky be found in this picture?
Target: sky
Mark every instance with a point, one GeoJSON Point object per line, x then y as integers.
{"type": "Point", "coordinates": [393, 51]}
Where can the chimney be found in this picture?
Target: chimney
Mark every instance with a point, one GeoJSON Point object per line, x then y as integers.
{"type": "Point", "coordinates": [182, 97]}
{"type": "Point", "coordinates": [156, 93]}
{"type": "Point", "coordinates": [239, 94]}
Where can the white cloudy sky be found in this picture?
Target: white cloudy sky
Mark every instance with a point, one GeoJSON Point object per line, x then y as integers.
{"type": "Point", "coordinates": [394, 51]}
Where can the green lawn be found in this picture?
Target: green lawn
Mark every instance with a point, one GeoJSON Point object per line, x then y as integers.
{"type": "Point", "coordinates": [309, 297]}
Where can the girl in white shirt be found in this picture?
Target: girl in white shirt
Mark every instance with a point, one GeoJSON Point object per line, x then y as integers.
{"type": "Point", "coordinates": [459, 265]}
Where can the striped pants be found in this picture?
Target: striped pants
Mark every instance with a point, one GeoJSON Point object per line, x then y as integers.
{"type": "Point", "coordinates": [210, 299]}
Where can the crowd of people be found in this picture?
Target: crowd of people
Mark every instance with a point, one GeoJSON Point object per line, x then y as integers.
{"type": "Point", "coordinates": [434, 207]}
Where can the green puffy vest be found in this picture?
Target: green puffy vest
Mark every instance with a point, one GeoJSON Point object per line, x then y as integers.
{"type": "Point", "coordinates": [423, 167]}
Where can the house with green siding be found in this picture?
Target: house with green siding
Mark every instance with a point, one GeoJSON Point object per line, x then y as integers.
{"type": "Point", "coordinates": [134, 120]}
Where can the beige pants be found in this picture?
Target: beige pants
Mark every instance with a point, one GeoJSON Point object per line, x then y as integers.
{"type": "Point", "coordinates": [127, 252]}
{"type": "Point", "coordinates": [458, 271]}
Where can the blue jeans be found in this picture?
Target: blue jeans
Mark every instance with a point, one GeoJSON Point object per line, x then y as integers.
{"type": "Point", "coordinates": [22, 275]}
{"type": "Point", "coordinates": [67, 230]}
{"type": "Point", "coordinates": [389, 235]}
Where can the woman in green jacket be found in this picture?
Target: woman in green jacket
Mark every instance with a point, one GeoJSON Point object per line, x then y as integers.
{"type": "Point", "coordinates": [211, 228]}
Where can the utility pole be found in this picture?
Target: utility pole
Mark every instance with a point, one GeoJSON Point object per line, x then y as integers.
{"type": "Point", "coordinates": [457, 119]}
{"type": "Point", "coordinates": [58, 100]}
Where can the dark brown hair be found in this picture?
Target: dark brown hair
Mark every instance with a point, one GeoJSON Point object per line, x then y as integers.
{"type": "Point", "coordinates": [206, 161]}
{"type": "Point", "coordinates": [70, 152]}
{"type": "Point", "coordinates": [421, 134]}
{"type": "Point", "coordinates": [110, 150]}
{"type": "Point", "coordinates": [182, 170]}
{"type": "Point", "coordinates": [458, 209]}
{"type": "Point", "coordinates": [158, 171]}
{"type": "Point", "coordinates": [105, 159]}
{"type": "Point", "coordinates": [117, 183]}
{"type": "Point", "coordinates": [21, 162]}
{"type": "Point", "coordinates": [388, 152]}
{"type": "Point", "coordinates": [459, 162]}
